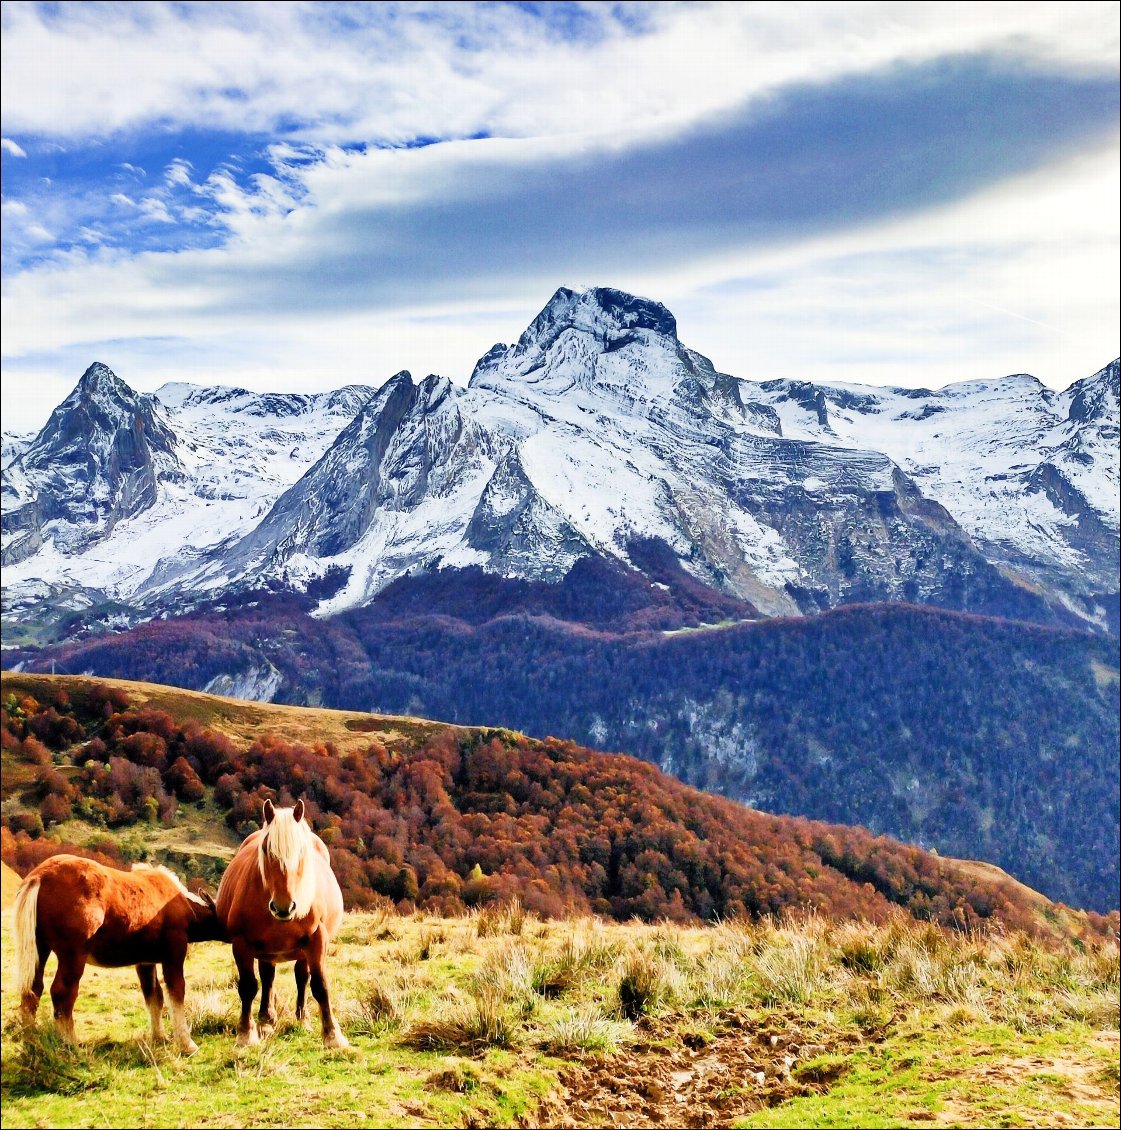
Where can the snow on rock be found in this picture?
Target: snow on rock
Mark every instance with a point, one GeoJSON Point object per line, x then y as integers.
{"type": "Point", "coordinates": [596, 429]}
{"type": "Point", "coordinates": [258, 684]}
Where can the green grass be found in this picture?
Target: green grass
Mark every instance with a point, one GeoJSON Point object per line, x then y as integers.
{"type": "Point", "coordinates": [799, 1023]}
{"type": "Point", "coordinates": [980, 1075]}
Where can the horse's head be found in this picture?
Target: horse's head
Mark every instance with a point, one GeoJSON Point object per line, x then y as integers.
{"type": "Point", "coordinates": [205, 925]}
{"type": "Point", "coordinates": [284, 862]}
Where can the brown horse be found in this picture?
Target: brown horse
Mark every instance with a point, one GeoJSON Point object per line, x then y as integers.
{"type": "Point", "coordinates": [87, 913]}
{"type": "Point", "coordinates": [279, 900]}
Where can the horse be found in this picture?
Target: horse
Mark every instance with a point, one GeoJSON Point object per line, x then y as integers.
{"type": "Point", "coordinates": [88, 913]}
{"type": "Point", "coordinates": [278, 901]}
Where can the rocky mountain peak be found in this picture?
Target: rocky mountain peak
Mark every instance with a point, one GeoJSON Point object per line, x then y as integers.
{"type": "Point", "coordinates": [601, 319]}
{"type": "Point", "coordinates": [103, 423]}
{"type": "Point", "coordinates": [98, 459]}
{"type": "Point", "coordinates": [599, 310]}
{"type": "Point", "coordinates": [99, 379]}
{"type": "Point", "coordinates": [1095, 399]}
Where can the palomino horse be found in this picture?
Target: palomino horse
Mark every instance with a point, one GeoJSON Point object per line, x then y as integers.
{"type": "Point", "coordinates": [279, 900]}
{"type": "Point", "coordinates": [85, 912]}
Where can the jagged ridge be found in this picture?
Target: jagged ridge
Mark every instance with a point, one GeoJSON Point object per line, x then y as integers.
{"type": "Point", "coordinates": [595, 430]}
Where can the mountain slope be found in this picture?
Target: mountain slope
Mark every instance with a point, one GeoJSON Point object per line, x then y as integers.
{"type": "Point", "coordinates": [1030, 474]}
{"type": "Point", "coordinates": [597, 431]}
{"type": "Point", "coordinates": [100, 459]}
{"type": "Point", "coordinates": [184, 470]}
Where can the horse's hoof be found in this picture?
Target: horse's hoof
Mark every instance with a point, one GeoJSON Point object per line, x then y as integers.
{"type": "Point", "coordinates": [189, 1048]}
{"type": "Point", "coordinates": [248, 1039]}
{"type": "Point", "coordinates": [336, 1040]}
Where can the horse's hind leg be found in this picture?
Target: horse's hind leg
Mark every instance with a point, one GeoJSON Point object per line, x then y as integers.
{"type": "Point", "coordinates": [301, 989]}
{"type": "Point", "coordinates": [247, 990]}
{"type": "Point", "coordinates": [31, 999]}
{"type": "Point", "coordinates": [64, 991]}
{"type": "Point", "coordinates": [177, 991]}
{"type": "Point", "coordinates": [153, 998]}
{"type": "Point", "coordinates": [266, 1016]}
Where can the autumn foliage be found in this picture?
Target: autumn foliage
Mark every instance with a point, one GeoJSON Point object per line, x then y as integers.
{"type": "Point", "coordinates": [460, 817]}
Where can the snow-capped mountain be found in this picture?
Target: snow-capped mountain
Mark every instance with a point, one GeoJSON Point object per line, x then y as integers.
{"type": "Point", "coordinates": [118, 484]}
{"type": "Point", "coordinates": [596, 432]}
{"type": "Point", "coordinates": [1031, 474]}
{"type": "Point", "coordinates": [101, 458]}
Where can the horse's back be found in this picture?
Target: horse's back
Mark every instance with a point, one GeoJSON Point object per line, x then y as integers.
{"type": "Point", "coordinates": [115, 917]}
{"type": "Point", "coordinates": [329, 896]}
{"type": "Point", "coordinates": [71, 896]}
{"type": "Point", "coordinates": [238, 876]}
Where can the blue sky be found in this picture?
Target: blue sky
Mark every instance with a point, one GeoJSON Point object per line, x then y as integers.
{"type": "Point", "coordinates": [298, 196]}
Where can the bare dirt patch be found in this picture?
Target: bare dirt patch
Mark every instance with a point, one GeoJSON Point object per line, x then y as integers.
{"type": "Point", "coordinates": [694, 1079]}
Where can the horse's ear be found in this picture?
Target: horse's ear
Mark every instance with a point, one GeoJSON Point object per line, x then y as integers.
{"type": "Point", "coordinates": [208, 898]}
{"type": "Point", "coordinates": [298, 811]}
{"type": "Point", "coordinates": [270, 812]}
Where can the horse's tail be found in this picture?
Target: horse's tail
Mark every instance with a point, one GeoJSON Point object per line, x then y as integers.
{"type": "Point", "coordinates": [26, 918]}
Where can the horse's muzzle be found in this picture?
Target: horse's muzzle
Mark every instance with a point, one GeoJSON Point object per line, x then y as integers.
{"type": "Point", "coordinates": [282, 915]}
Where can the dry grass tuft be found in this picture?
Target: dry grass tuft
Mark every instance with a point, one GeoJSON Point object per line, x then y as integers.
{"type": "Point", "coordinates": [649, 982]}
{"type": "Point", "coordinates": [502, 918]}
{"type": "Point", "coordinates": [584, 1029]}
{"type": "Point", "coordinates": [381, 1006]}
{"type": "Point", "coordinates": [789, 968]}
{"type": "Point", "coordinates": [481, 1020]}
{"type": "Point", "coordinates": [45, 1062]}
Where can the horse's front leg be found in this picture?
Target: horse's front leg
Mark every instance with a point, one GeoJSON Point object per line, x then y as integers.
{"type": "Point", "coordinates": [247, 990]}
{"type": "Point", "coordinates": [301, 989]}
{"type": "Point", "coordinates": [317, 953]}
{"type": "Point", "coordinates": [64, 991]}
{"type": "Point", "coordinates": [153, 998]}
{"type": "Point", "coordinates": [177, 991]}
{"type": "Point", "coordinates": [266, 1017]}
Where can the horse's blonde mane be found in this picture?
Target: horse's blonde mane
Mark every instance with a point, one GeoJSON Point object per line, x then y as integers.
{"type": "Point", "coordinates": [286, 839]}
{"type": "Point", "coordinates": [160, 870]}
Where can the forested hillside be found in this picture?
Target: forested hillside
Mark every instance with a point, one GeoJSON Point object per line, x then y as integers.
{"type": "Point", "coordinates": [979, 737]}
{"type": "Point", "coordinates": [445, 817]}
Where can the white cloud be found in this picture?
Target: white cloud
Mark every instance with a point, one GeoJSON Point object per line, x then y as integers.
{"type": "Point", "coordinates": [9, 146]}
{"type": "Point", "coordinates": [22, 228]}
{"type": "Point", "coordinates": [1021, 277]}
{"type": "Point", "coordinates": [153, 208]}
{"type": "Point", "coordinates": [316, 282]}
{"type": "Point", "coordinates": [178, 172]}
{"type": "Point", "coordinates": [396, 72]}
